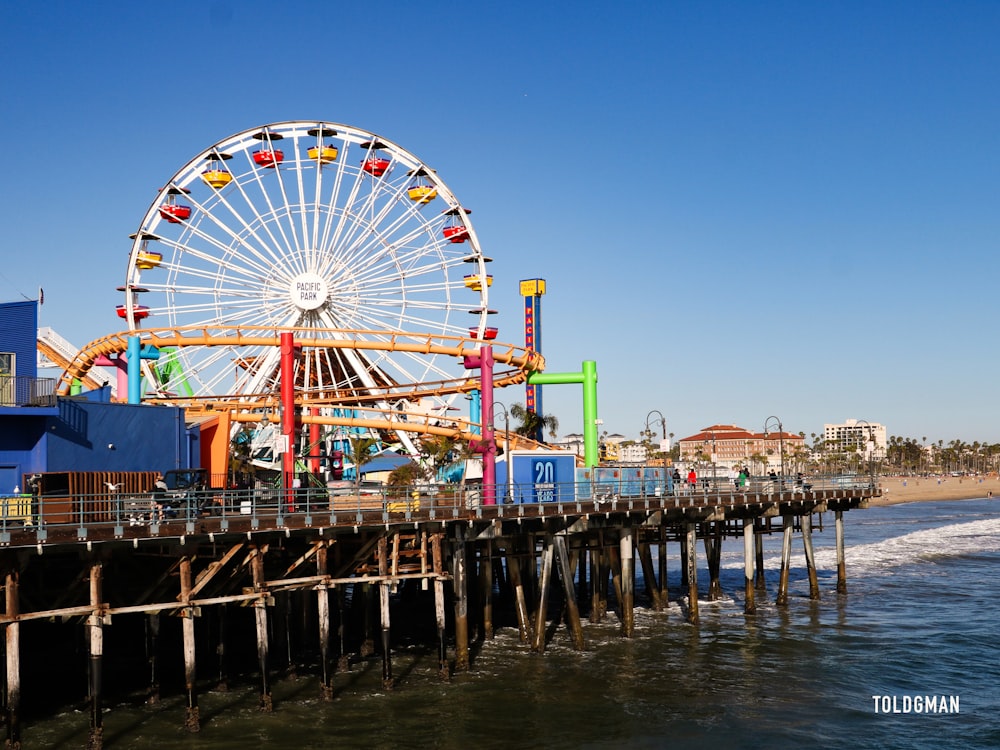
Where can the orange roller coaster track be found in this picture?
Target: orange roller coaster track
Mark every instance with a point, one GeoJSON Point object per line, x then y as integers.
{"type": "Point", "coordinates": [520, 362]}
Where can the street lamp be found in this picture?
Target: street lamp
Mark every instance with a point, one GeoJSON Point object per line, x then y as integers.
{"type": "Point", "coordinates": [781, 442]}
{"type": "Point", "coordinates": [663, 424]}
{"type": "Point", "coordinates": [506, 448]}
{"type": "Point", "coordinates": [870, 451]}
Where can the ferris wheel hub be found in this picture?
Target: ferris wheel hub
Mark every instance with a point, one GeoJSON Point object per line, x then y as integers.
{"type": "Point", "coordinates": [308, 291]}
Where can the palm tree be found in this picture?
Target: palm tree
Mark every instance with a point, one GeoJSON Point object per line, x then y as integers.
{"type": "Point", "coordinates": [361, 454]}
{"type": "Point", "coordinates": [533, 424]}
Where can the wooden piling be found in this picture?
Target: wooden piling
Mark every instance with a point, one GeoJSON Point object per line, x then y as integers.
{"type": "Point", "coordinates": [437, 562]}
{"type": "Point", "coordinates": [323, 622]}
{"type": "Point", "coordinates": [841, 562]}
{"type": "Point", "coordinates": [538, 639]}
{"type": "Point", "coordinates": [653, 589]}
{"type": "Point", "coordinates": [461, 590]}
{"type": "Point", "coordinates": [787, 525]}
{"type": "Point", "coordinates": [758, 542]}
{"type": "Point", "coordinates": [95, 623]}
{"type": "Point", "coordinates": [486, 587]}
{"type": "Point", "coordinates": [749, 605]}
{"type": "Point", "coordinates": [566, 574]}
{"type": "Point", "coordinates": [807, 545]}
{"type": "Point", "coordinates": [153, 657]}
{"type": "Point", "coordinates": [191, 720]}
{"type": "Point", "coordinates": [12, 643]}
{"type": "Point", "coordinates": [520, 601]}
{"type": "Point", "coordinates": [260, 621]}
{"type": "Point", "coordinates": [713, 555]}
{"type": "Point", "coordinates": [627, 555]}
{"type": "Point", "coordinates": [691, 572]}
{"type": "Point", "coordinates": [385, 589]}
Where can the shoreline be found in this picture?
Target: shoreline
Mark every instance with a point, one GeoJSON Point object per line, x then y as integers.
{"type": "Point", "coordinates": [896, 490]}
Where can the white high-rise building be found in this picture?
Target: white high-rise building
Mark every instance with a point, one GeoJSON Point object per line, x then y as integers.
{"type": "Point", "coordinates": [857, 433]}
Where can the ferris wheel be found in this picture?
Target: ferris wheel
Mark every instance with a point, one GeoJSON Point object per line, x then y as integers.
{"type": "Point", "coordinates": [307, 225]}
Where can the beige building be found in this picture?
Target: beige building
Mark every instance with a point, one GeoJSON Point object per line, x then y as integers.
{"type": "Point", "coordinates": [728, 446]}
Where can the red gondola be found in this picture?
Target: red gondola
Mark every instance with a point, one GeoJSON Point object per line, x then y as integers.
{"type": "Point", "coordinates": [455, 233]}
{"type": "Point", "coordinates": [489, 334]}
{"type": "Point", "coordinates": [175, 213]}
{"type": "Point", "coordinates": [268, 158]}
{"type": "Point", "coordinates": [139, 311]}
{"type": "Point", "coordinates": [375, 165]}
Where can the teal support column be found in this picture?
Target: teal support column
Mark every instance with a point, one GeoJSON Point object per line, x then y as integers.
{"type": "Point", "coordinates": [136, 353]}
{"type": "Point", "coordinates": [588, 377]}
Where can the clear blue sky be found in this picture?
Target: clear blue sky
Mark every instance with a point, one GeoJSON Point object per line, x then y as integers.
{"type": "Point", "coordinates": [741, 209]}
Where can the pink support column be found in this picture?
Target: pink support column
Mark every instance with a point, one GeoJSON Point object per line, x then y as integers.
{"type": "Point", "coordinates": [287, 376]}
{"type": "Point", "coordinates": [487, 447]}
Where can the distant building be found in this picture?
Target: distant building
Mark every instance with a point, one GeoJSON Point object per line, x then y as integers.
{"type": "Point", "coordinates": [727, 446]}
{"type": "Point", "coordinates": [857, 434]}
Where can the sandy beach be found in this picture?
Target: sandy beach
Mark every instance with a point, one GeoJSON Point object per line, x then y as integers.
{"type": "Point", "coordinates": [912, 489]}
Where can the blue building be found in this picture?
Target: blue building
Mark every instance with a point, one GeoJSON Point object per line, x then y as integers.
{"type": "Point", "coordinates": [41, 432]}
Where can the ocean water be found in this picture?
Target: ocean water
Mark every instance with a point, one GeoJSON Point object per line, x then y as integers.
{"type": "Point", "coordinates": [916, 632]}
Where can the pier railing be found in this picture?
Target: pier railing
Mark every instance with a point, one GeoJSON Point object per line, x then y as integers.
{"type": "Point", "coordinates": [28, 519]}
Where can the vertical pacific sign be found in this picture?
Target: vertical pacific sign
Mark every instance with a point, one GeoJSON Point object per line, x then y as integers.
{"type": "Point", "coordinates": [532, 291]}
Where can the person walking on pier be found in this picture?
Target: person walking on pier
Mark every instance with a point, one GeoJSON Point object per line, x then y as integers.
{"type": "Point", "coordinates": [692, 481]}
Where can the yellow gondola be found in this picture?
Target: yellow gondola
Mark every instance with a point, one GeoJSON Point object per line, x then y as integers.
{"type": "Point", "coordinates": [216, 178]}
{"type": "Point", "coordinates": [422, 193]}
{"type": "Point", "coordinates": [324, 154]}
{"type": "Point", "coordinates": [147, 259]}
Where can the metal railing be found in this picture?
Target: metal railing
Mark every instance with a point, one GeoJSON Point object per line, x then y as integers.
{"type": "Point", "coordinates": [159, 514]}
{"type": "Point", "coordinates": [23, 390]}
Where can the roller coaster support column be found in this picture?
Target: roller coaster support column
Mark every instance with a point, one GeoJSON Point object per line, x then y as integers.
{"type": "Point", "coordinates": [287, 341]}
{"type": "Point", "coordinates": [487, 447]}
{"type": "Point", "coordinates": [587, 376]}
{"type": "Point", "coordinates": [136, 352]}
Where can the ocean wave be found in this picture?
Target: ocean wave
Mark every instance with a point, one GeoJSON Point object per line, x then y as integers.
{"type": "Point", "coordinates": [926, 545]}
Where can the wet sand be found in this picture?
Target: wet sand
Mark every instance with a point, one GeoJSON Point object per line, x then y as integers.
{"type": "Point", "coordinates": [911, 489]}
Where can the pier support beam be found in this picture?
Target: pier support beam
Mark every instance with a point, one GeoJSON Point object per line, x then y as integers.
{"type": "Point", "coordinates": [787, 524]}
{"type": "Point", "coordinates": [749, 605]}
{"type": "Point", "coordinates": [758, 542]}
{"type": "Point", "coordinates": [713, 553]}
{"type": "Point", "coordinates": [192, 722]}
{"type": "Point", "coordinates": [517, 587]}
{"type": "Point", "coordinates": [649, 576]}
{"type": "Point", "coordinates": [461, 587]}
{"type": "Point", "coordinates": [153, 657]}
{"type": "Point", "coordinates": [260, 621]}
{"type": "Point", "coordinates": [807, 545]}
{"type": "Point", "coordinates": [538, 640]}
{"type": "Point", "coordinates": [627, 552]}
{"type": "Point", "coordinates": [572, 610]}
{"type": "Point", "coordinates": [384, 590]}
{"type": "Point", "coordinates": [662, 562]}
{"type": "Point", "coordinates": [323, 618]}
{"type": "Point", "coordinates": [437, 562]}
{"type": "Point", "coordinates": [12, 641]}
{"type": "Point", "coordinates": [691, 571]}
{"type": "Point", "coordinates": [486, 587]}
{"type": "Point", "coordinates": [841, 563]}
{"type": "Point", "coordinates": [95, 623]}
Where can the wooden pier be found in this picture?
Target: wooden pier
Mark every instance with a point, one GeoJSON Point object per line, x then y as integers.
{"type": "Point", "coordinates": [346, 573]}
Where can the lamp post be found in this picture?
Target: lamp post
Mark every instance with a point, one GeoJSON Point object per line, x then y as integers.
{"type": "Point", "coordinates": [870, 451]}
{"type": "Point", "coordinates": [506, 447]}
{"type": "Point", "coordinates": [781, 442]}
{"type": "Point", "coordinates": [662, 420]}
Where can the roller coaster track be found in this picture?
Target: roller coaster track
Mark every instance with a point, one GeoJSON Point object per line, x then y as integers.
{"type": "Point", "coordinates": [515, 364]}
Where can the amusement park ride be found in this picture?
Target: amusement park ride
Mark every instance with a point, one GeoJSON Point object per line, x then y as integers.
{"type": "Point", "coordinates": [314, 275]}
